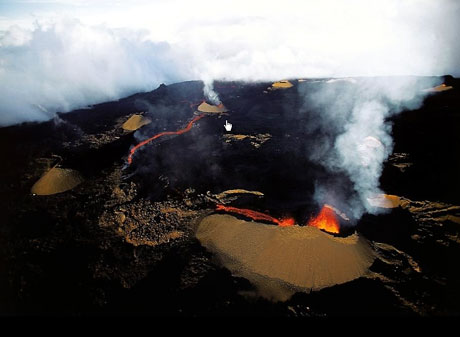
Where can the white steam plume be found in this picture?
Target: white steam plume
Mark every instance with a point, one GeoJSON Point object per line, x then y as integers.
{"type": "Point", "coordinates": [210, 94]}
{"type": "Point", "coordinates": [357, 114]}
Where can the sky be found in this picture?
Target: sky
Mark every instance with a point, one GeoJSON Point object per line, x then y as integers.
{"type": "Point", "coordinates": [61, 55]}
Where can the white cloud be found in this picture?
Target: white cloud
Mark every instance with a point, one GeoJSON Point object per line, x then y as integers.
{"type": "Point", "coordinates": [73, 54]}
{"type": "Point", "coordinates": [66, 65]}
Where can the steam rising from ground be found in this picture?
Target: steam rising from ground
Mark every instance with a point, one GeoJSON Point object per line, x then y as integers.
{"type": "Point", "coordinates": [79, 53]}
{"type": "Point", "coordinates": [210, 94]}
{"type": "Point", "coordinates": [351, 118]}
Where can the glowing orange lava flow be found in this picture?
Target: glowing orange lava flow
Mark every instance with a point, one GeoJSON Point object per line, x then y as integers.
{"type": "Point", "coordinates": [165, 133]}
{"type": "Point", "coordinates": [326, 220]}
{"type": "Point", "coordinates": [285, 222]}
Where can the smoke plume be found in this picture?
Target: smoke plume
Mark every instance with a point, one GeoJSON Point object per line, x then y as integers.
{"type": "Point", "coordinates": [351, 117]}
{"type": "Point", "coordinates": [210, 94]}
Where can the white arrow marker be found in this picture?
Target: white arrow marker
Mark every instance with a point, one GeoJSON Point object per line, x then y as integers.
{"type": "Point", "coordinates": [228, 126]}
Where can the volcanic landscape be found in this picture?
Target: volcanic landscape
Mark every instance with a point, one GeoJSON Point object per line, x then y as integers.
{"type": "Point", "coordinates": [149, 205]}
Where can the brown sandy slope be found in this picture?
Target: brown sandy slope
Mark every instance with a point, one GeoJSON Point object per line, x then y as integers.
{"type": "Point", "coordinates": [282, 85]}
{"type": "Point", "coordinates": [282, 260]}
{"type": "Point", "coordinates": [205, 107]}
{"type": "Point", "coordinates": [135, 122]}
{"type": "Point", "coordinates": [56, 180]}
{"type": "Point", "coordinates": [226, 193]}
{"type": "Point", "coordinates": [439, 88]}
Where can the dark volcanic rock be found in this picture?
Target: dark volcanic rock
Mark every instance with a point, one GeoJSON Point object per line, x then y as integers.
{"type": "Point", "coordinates": [123, 240]}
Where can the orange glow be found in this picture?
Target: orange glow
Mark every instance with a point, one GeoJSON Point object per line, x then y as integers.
{"type": "Point", "coordinates": [285, 222]}
{"type": "Point", "coordinates": [165, 133]}
{"type": "Point", "coordinates": [326, 220]}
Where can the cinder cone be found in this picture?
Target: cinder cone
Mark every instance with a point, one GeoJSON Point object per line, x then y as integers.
{"type": "Point", "coordinates": [281, 259]}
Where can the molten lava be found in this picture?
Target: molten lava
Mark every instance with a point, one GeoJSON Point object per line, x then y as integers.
{"type": "Point", "coordinates": [285, 222]}
{"type": "Point", "coordinates": [326, 220]}
{"type": "Point", "coordinates": [165, 133]}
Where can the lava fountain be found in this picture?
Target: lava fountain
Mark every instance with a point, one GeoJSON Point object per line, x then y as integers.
{"type": "Point", "coordinates": [283, 222]}
{"type": "Point", "coordinates": [326, 220]}
{"type": "Point", "coordinates": [165, 133]}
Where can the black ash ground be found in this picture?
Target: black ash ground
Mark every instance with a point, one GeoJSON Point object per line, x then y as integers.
{"type": "Point", "coordinates": [123, 240]}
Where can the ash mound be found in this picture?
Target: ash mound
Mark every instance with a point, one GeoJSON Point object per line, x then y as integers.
{"type": "Point", "coordinates": [283, 260]}
{"type": "Point", "coordinates": [56, 180]}
{"type": "Point", "coordinates": [135, 122]}
{"type": "Point", "coordinates": [284, 84]}
{"type": "Point", "coordinates": [208, 108]}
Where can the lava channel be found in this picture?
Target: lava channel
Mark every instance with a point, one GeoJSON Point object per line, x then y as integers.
{"type": "Point", "coordinates": [284, 222]}
{"type": "Point", "coordinates": [165, 133]}
{"type": "Point", "coordinates": [326, 220]}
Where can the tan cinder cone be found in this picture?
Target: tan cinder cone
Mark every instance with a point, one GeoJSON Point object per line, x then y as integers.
{"type": "Point", "coordinates": [284, 84]}
{"type": "Point", "coordinates": [205, 107]}
{"type": "Point", "coordinates": [135, 122]}
{"type": "Point", "coordinates": [56, 180]}
{"type": "Point", "coordinates": [282, 260]}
